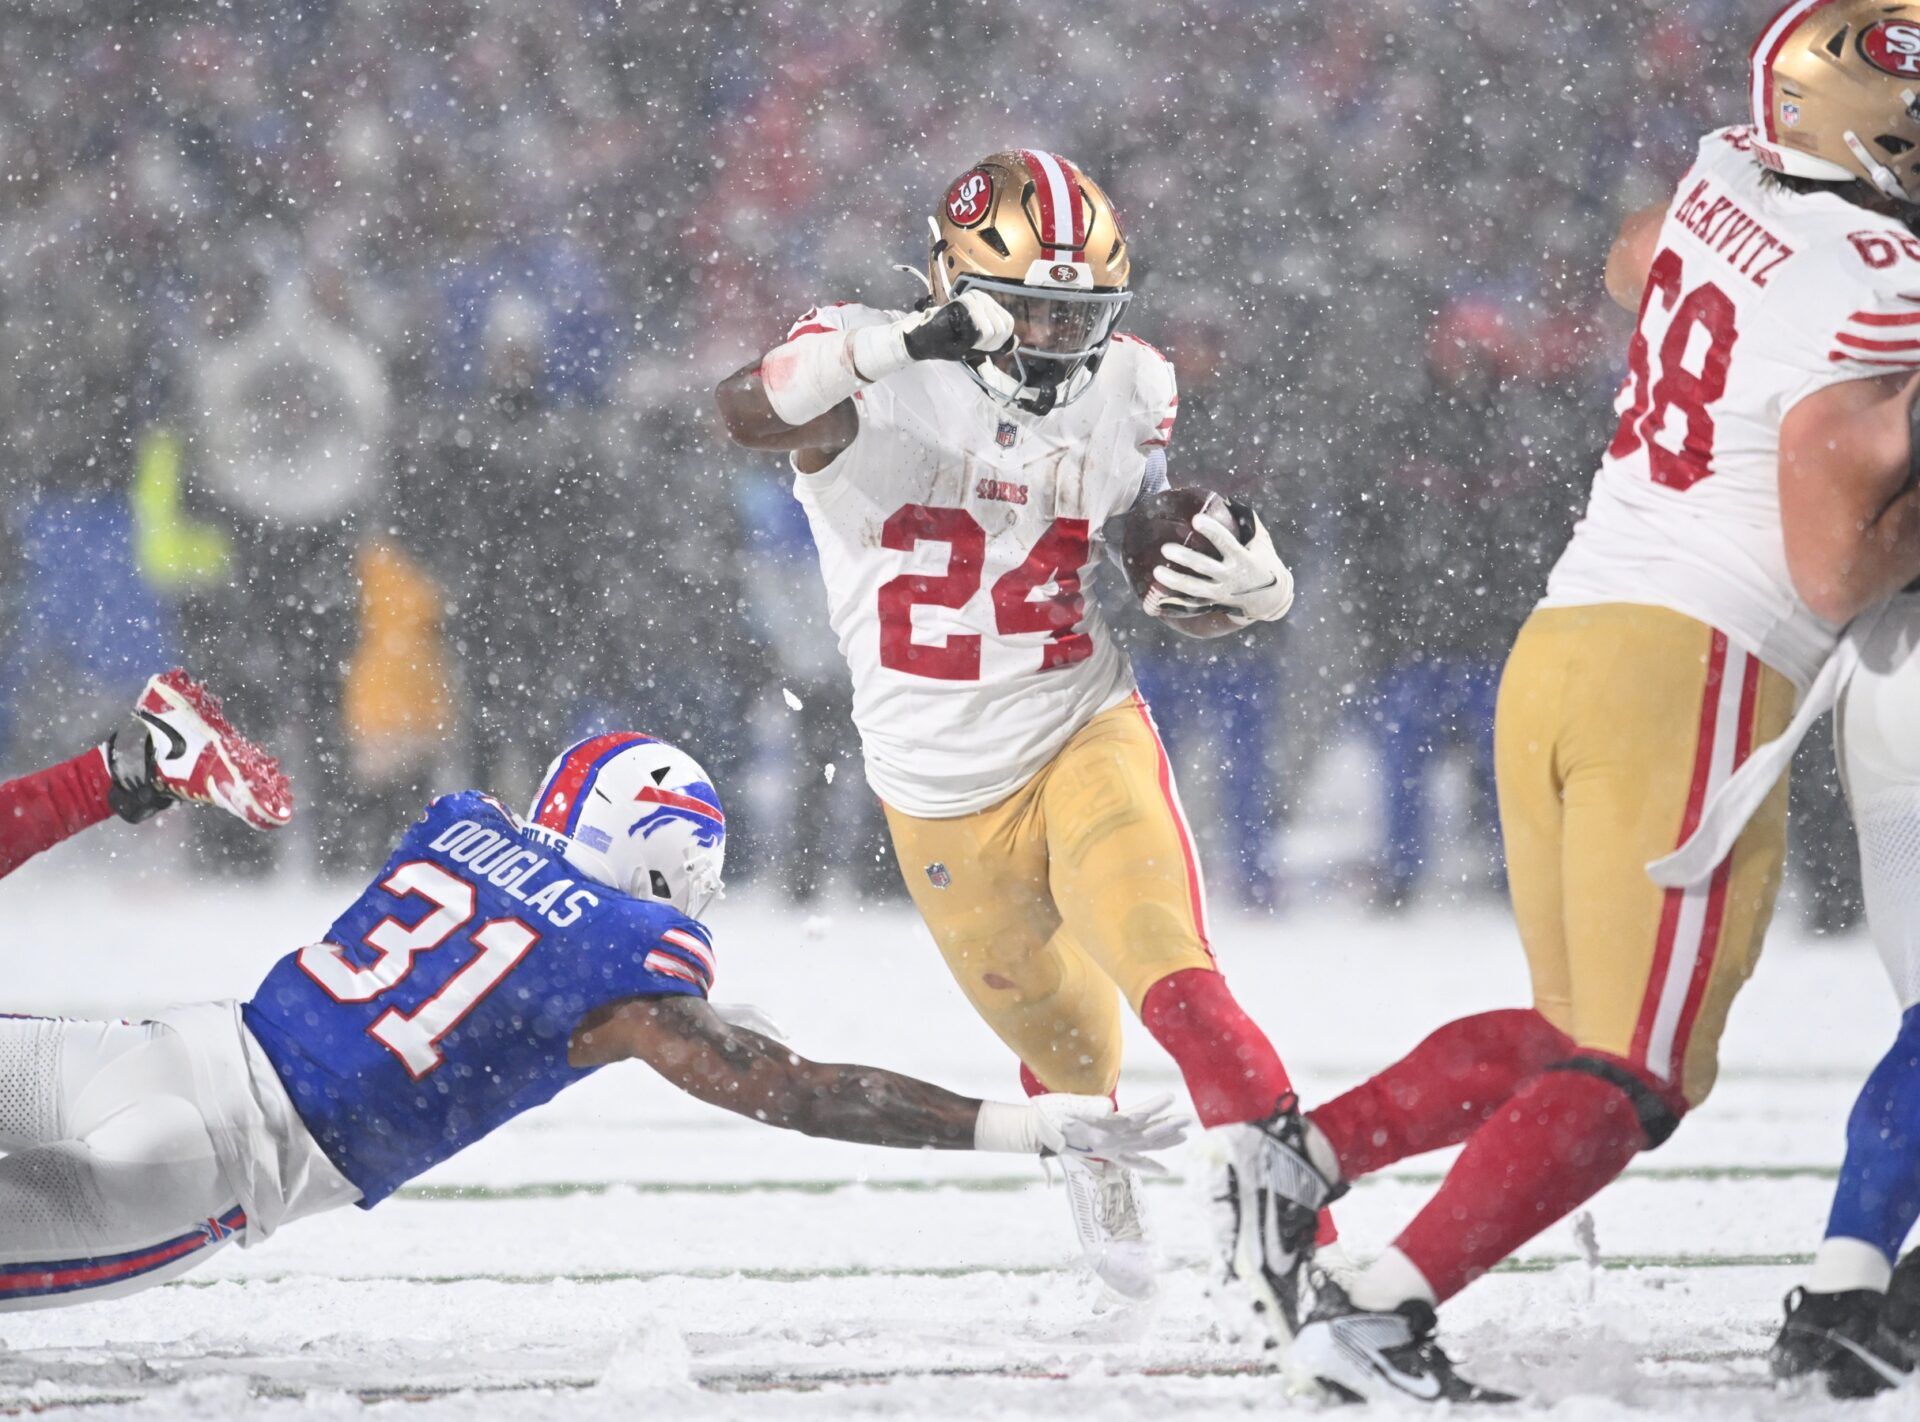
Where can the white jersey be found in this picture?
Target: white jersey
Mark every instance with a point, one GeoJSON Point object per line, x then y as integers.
{"type": "Point", "coordinates": [1756, 298]}
{"type": "Point", "coordinates": [956, 536]}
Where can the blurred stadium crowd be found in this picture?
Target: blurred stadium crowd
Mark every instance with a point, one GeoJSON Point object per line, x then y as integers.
{"type": "Point", "coordinates": [358, 354]}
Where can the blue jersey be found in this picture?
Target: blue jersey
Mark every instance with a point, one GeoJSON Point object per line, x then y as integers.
{"type": "Point", "coordinates": [441, 1005]}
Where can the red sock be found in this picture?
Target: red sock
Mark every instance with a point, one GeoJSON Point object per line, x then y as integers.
{"type": "Point", "coordinates": [1557, 1142]}
{"type": "Point", "coordinates": [38, 811]}
{"type": "Point", "coordinates": [1232, 1071]}
{"type": "Point", "coordinates": [1440, 1092]}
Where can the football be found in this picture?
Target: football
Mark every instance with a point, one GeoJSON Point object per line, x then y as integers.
{"type": "Point", "coordinates": [1167, 517]}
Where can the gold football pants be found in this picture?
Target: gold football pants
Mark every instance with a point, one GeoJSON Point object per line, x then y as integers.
{"type": "Point", "coordinates": [1615, 724]}
{"type": "Point", "coordinates": [1084, 880]}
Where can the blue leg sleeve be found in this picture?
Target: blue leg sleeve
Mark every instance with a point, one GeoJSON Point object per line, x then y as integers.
{"type": "Point", "coordinates": [1878, 1199]}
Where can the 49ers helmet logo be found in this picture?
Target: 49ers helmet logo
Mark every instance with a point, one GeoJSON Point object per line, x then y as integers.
{"type": "Point", "coordinates": [969, 198]}
{"type": "Point", "coordinates": [1893, 46]}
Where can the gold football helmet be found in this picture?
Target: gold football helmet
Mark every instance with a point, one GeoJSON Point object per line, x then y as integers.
{"type": "Point", "coordinates": [1835, 88]}
{"type": "Point", "coordinates": [1035, 233]}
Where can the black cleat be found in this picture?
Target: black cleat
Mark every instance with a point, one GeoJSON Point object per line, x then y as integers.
{"type": "Point", "coordinates": [1267, 1201]}
{"type": "Point", "coordinates": [1357, 1355]}
{"type": "Point", "coordinates": [1836, 1336]}
{"type": "Point", "coordinates": [1899, 1336]}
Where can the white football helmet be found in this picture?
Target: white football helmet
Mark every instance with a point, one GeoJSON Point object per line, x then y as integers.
{"type": "Point", "coordinates": [637, 815]}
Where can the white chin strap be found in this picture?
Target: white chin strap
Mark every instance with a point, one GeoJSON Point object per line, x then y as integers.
{"type": "Point", "coordinates": [1878, 173]}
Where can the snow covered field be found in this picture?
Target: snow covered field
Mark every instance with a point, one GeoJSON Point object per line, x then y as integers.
{"type": "Point", "coordinates": [628, 1252]}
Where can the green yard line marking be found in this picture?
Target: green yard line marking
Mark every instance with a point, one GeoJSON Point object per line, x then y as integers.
{"type": "Point", "coordinates": [1536, 1265]}
{"type": "Point", "coordinates": [564, 1189]}
{"type": "Point", "coordinates": [992, 1184]}
{"type": "Point", "coordinates": [1544, 1263]}
{"type": "Point", "coordinates": [1671, 1173]}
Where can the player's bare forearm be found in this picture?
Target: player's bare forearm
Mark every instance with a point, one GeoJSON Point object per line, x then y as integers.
{"type": "Point", "coordinates": [684, 1040]}
{"type": "Point", "coordinates": [749, 419]}
{"type": "Point", "coordinates": [1850, 509]}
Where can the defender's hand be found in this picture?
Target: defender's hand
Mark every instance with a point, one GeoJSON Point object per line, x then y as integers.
{"type": "Point", "coordinates": [1089, 1127]}
{"type": "Point", "coordinates": [1247, 579]}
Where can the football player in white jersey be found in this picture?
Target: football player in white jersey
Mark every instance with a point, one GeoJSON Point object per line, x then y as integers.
{"type": "Point", "coordinates": [957, 463]}
{"type": "Point", "coordinates": [1754, 498]}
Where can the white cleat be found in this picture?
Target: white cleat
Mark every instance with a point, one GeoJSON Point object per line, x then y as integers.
{"type": "Point", "coordinates": [1109, 1217]}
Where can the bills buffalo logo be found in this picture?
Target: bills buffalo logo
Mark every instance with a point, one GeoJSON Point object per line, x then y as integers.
{"type": "Point", "coordinates": [969, 199]}
{"type": "Point", "coordinates": [1893, 46]}
{"type": "Point", "coordinates": [696, 806]}
{"type": "Point", "coordinates": [1063, 273]}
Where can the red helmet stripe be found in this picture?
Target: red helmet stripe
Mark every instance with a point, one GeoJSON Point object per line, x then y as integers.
{"type": "Point", "coordinates": [654, 795]}
{"type": "Point", "coordinates": [559, 800]}
{"type": "Point", "coordinates": [1766, 49]}
{"type": "Point", "coordinates": [1079, 224]}
{"type": "Point", "coordinates": [1051, 193]}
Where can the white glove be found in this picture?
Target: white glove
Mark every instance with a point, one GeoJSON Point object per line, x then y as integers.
{"type": "Point", "coordinates": [972, 321]}
{"type": "Point", "coordinates": [1247, 579]}
{"type": "Point", "coordinates": [1084, 1126]}
{"type": "Point", "coordinates": [750, 1018]}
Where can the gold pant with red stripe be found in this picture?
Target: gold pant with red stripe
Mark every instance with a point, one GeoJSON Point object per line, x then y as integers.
{"type": "Point", "coordinates": [1615, 724]}
{"type": "Point", "coordinates": [1082, 881]}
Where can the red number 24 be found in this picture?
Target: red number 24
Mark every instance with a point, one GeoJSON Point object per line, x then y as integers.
{"type": "Point", "coordinates": [1056, 559]}
{"type": "Point", "coordinates": [1676, 388]}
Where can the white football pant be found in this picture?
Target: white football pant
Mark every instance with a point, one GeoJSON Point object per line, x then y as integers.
{"type": "Point", "coordinates": [1877, 725]}
{"type": "Point", "coordinates": [134, 1151]}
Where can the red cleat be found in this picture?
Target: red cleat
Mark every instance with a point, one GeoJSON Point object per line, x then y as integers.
{"type": "Point", "coordinates": [194, 753]}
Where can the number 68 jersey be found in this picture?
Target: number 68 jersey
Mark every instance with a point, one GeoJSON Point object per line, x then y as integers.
{"type": "Point", "coordinates": [955, 538]}
{"type": "Point", "coordinates": [1756, 298]}
{"type": "Point", "coordinates": [441, 1004]}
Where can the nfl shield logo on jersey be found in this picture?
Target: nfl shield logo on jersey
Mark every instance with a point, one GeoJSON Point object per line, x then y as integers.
{"type": "Point", "coordinates": [1006, 434]}
{"type": "Point", "coordinates": [938, 876]}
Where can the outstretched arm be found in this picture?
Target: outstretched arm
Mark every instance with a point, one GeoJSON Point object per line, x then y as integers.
{"type": "Point", "coordinates": [686, 1041]}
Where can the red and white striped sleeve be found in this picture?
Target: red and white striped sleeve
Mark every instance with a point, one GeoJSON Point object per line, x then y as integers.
{"type": "Point", "coordinates": [1880, 337]}
{"type": "Point", "coordinates": [684, 954]}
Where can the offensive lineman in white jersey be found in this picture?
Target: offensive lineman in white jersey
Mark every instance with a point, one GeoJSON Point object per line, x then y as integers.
{"type": "Point", "coordinates": [1754, 498]}
{"type": "Point", "coordinates": [957, 464]}
{"type": "Point", "coordinates": [1836, 121]}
